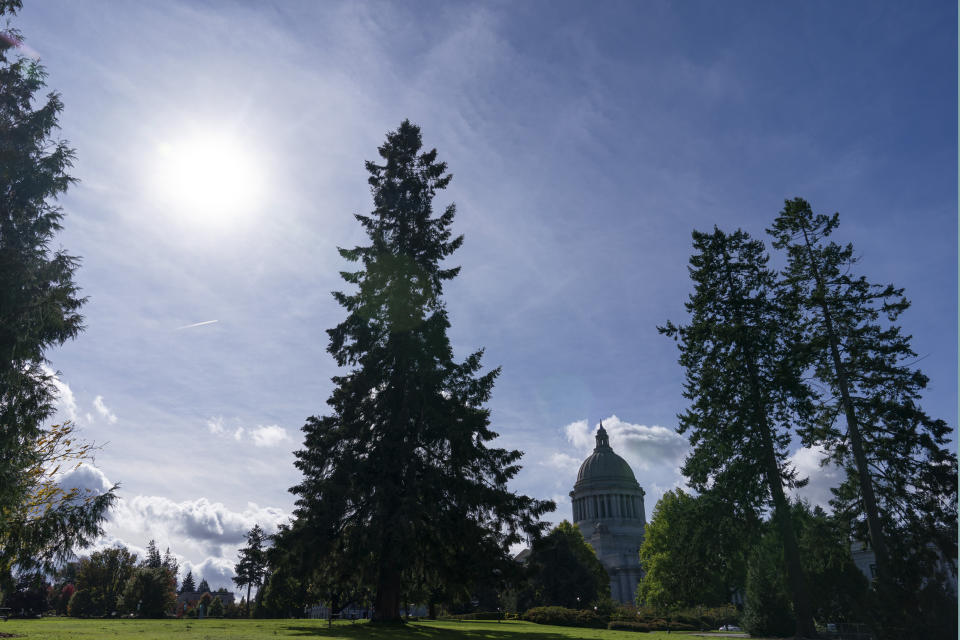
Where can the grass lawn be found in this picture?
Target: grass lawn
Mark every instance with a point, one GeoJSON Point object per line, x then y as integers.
{"type": "Point", "coordinates": [71, 629]}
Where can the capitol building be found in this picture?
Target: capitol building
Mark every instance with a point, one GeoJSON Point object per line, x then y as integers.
{"type": "Point", "coordinates": [608, 509]}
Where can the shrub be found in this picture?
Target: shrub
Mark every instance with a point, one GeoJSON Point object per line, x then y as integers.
{"type": "Point", "coordinates": [767, 610]}
{"type": "Point", "coordinates": [625, 613]}
{"type": "Point", "coordinates": [628, 625]}
{"type": "Point", "coordinates": [565, 617]}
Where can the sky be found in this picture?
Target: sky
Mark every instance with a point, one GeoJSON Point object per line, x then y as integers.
{"type": "Point", "coordinates": [220, 150]}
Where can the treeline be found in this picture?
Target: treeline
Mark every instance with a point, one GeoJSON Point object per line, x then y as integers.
{"type": "Point", "coordinates": [113, 582]}
{"type": "Point", "coordinates": [806, 354]}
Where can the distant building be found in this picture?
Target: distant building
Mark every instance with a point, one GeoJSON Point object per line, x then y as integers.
{"type": "Point", "coordinates": [608, 508]}
{"type": "Point", "coordinates": [866, 560]}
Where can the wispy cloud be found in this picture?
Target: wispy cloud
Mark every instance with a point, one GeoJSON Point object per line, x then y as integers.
{"type": "Point", "coordinates": [103, 410]}
{"type": "Point", "coordinates": [197, 324]}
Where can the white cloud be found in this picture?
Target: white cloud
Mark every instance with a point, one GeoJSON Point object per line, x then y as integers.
{"type": "Point", "coordinates": [103, 410]}
{"type": "Point", "coordinates": [199, 520]}
{"type": "Point", "coordinates": [579, 435]}
{"type": "Point", "coordinates": [66, 402]}
{"type": "Point", "coordinates": [215, 425]}
{"type": "Point", "coordinates": [807, 462]}
{"type": "Point", "coordinates": [261, 435]}
{"type": "Point", "coordinates": [216, 571]}
{"type": "Point", "coordinates": [269, 436]}
{"type": "Point", "coordinates": [85, 477]}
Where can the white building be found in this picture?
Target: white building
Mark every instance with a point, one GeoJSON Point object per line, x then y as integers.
{"type": "Point", "coordinates": [608, 509]}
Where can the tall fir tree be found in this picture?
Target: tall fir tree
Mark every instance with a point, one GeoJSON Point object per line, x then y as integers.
{"type": "Point", "coordinates": [745, 388]}
{"type": "Point", "coordinates": [39, 309]}
{"type": "Point", "coordinates": [901, 483]}
{"type": "Point", "coordinates": [251, 568]}
{"type": "Point", "coordinates": [398, 480]}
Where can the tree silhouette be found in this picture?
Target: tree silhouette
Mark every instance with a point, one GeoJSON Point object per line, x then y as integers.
{"type": "Point", "coordinates": [745, 387]}
{"type": "Point", "coordinates": [398, 480]}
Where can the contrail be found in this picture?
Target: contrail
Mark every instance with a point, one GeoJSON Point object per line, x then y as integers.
{"type": "Point", "coordinates": [196, 324]}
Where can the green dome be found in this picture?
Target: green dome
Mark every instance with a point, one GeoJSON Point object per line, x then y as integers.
{"type": "Point", "coordinates": [604, 464]}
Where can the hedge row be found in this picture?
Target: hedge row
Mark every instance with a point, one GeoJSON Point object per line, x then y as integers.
{"type": "Point", "coordinates": [699, 617]}
{"type": "Point", "coordinates": [565, 617]}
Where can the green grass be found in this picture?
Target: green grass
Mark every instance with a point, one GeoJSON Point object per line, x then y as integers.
{"type": "Point", "coordinates": [74, 629]}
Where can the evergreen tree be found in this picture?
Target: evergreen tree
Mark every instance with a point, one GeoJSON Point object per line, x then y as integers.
{"type": "Point", "coordinates": [188, 585]}
{"type": "Point", "coordinates": [39, 309]}
{"type": "Point", "coordinates": [153, 559]}
{"type": "Point", "coordinates": [251, 568]}
{"type": "Point", "coordinates": [398, 480]}
{"type": "Point", "coordinates": [901, 485]}
{"type": "Point", "coordinates": [204, 587]}
{"type": "Point", "coordinates": [766, 608]}
{"type": "Point", "coordinates": [170, 563]}
{"type": "Point", "coordinates": [745, 387]}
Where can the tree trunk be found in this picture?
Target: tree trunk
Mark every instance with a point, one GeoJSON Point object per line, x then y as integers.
{"type": "Point", "coordinates": [791, 549]}
{"type": "Point", "coordinates": [386, 604]}
{"type": "Point", "coordinates": [781, 508]}
{"type": "Point", "coordinates": [853, 428]}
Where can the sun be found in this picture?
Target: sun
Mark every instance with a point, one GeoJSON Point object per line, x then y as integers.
{"type": "Point", "coordinates": [210, 179]}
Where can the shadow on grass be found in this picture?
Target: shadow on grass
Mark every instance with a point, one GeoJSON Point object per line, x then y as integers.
{"type": "Point", "coordinates": [414, 631]}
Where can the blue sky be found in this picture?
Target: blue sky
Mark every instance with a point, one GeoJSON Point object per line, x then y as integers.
{"type": "Point", "coordinates": [586, 140]}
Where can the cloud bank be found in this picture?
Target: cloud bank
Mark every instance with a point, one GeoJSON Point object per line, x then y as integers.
{"type": "Point", "coordinates": [644, 447]}
{"type": "Point", "coordinates": [205, 536]}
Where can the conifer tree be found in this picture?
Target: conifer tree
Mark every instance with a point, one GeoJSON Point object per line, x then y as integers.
{"type": "Point", "coordinates": [744, 386]}
{"type": "Point", "coordinates": [901, 484]}
{"type": "Point", "coordinates": [171, 565]}
{"type": "Point", "coordinates": [152, 558]}
{"type": "Point", "coordinates": [188, 585]}
{"type": "Point", "coordinates": [204, 587]}
{"type": "Point", "coordinates": [251, 568]}
{"type": "Point", "coordinates": [398, 479]}
{"type": "Point", "coordinates": [39, 309]}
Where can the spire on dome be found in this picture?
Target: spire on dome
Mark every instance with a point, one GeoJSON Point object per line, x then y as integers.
{"type": "Point", "coordinates": [603, 442]}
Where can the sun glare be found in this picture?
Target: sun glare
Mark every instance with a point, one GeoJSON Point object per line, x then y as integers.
{"type": "Point", "coordinates": [208, 179]}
